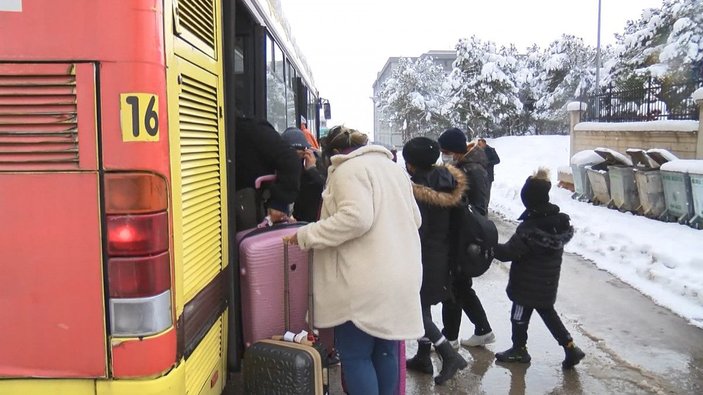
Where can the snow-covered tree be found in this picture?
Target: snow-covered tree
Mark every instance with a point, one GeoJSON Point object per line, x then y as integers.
{"type": "Point", "coordinates": [568, 72]}
{"type": "Point", "coordinates": [485, 92]}
{"type": "Point", "coordinates": [414, 98]}
{"type": "Point", "coordinates": [665, 43]}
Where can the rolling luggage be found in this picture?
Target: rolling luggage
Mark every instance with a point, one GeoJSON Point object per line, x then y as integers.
{"type": "Point", "coordinates": [262, 282]}
{"type": "Point", "coordinates": [286, 367]}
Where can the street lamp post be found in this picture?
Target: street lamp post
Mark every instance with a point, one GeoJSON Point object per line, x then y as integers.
{"type": "Point", "coordinates": [598, 64]}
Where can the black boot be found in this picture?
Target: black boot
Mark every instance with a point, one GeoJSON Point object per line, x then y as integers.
{"type": "Point", "coordinates": [421, 362]}
{"type": "Point", "coordinates": [451, 362]}
{"type": "Point", "coordinates": [574, 355]}
{"type": "Point", "coordinates": [514, 354]}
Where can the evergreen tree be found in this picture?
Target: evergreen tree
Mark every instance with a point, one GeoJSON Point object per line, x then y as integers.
{"type": "Point", "coordinates": [485, 93]}
{"type": "Point", "coordinates": [414, 98]}
{"type": "Point", "coordinates": [568, 73]}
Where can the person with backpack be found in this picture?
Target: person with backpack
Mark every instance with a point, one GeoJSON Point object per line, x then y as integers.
{"type": "Point", "coordinates": [260, 151]}
{"type": "Point", "coordinates": [452, 144]}
{"type": "Point", "coordinates": [437, 189]}
{"type": "Point", "coordinates": [536, 251]}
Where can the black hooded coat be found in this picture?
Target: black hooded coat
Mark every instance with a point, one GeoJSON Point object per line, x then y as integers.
{"type": "Point", "coordinates": [473, 164]}
{"type": "Point", "coordinates": [536, 251]}
{"type": "Point", "coordinates": [436, 191]}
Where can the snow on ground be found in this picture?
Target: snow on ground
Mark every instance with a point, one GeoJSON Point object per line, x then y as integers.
{"type": "Point", "coordinates": [662, 260]}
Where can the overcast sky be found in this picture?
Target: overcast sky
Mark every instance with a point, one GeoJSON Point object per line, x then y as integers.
{"type": "Point", "coordinates": [347, 42]}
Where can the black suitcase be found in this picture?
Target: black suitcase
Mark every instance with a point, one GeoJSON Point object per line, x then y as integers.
{"type": "Point", "coordinates": [277, 367]}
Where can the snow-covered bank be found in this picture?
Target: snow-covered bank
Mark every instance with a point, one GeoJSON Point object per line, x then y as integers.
{"type": "Point", "coordinates": [662, 260]}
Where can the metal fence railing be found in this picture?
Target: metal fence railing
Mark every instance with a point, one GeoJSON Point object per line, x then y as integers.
{"type": "Point", "coordinates": [654, 101]}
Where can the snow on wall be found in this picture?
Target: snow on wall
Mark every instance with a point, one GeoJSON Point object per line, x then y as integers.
{"type": "Point", "coordinates": [651, 126]}
{"type": "Point", "coordinates": [697, 95]}
{"type": "Point", "coordinates": [576, 106]}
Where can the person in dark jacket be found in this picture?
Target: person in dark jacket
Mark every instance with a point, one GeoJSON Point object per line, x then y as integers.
{"type": "Point", "coordinates": [492, 160]}
{"type": "Point", "coordinates": [471, 161]}
{"type": "Point", "coordinates": [312, 180]}
{"type": "Point", "coordinates": [260, 150]}
{"type": "Point", "coordinates": [436, 189]}
{"type": "Point", "coordinates": [536, 251]}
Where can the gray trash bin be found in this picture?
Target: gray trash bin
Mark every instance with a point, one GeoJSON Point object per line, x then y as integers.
{"type": "Point", "coordinates": [648, 179]}
{"type": "Point", "coordinates": [623, 189]}
{"type": "Point", "coordinates": [582, 187]}
{"type": "Point", "coordinates": [651, 192]}
{"type": "Point", "coordinates": [677, 193]}
{"type": "Point", "coordinates": [599, 180]}
{"type": "Point", "coordinates": [697, 195]}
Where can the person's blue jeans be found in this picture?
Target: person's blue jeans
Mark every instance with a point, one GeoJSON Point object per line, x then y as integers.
{"type": "Point", "coordinates": [370, 364]}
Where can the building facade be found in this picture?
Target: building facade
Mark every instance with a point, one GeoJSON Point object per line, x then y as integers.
{"type": "Point", "coordinates": [382, 132]}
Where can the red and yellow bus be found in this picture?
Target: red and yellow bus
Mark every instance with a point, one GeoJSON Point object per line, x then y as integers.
{"type": "Point", "coordinates": [117, 274]}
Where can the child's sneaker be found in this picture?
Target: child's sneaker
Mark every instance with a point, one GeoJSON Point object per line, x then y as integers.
{"type": "Point", "coordinates": [479, 340]}
{"type": "Point", "coordinates": [574, 355]}
{"type": "Point", "coordinates": [514, 354]}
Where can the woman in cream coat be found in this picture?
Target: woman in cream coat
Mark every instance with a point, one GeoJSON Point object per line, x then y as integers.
{"type": "Point", "coordinates": [367, 261]}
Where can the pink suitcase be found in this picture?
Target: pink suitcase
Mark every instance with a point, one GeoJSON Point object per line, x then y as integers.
{"type": "Point", "coordinates": [262, 283]}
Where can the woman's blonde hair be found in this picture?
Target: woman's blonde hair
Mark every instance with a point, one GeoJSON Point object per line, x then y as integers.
{"type": "Point", "coordinates": [341, 137]}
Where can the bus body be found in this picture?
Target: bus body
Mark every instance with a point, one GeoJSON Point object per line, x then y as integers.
{"type": "Point", "coordinates": [116, 268]}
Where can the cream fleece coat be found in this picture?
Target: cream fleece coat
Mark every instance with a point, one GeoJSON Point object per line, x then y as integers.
{"type": "Point", "coordinates": [367, 258]}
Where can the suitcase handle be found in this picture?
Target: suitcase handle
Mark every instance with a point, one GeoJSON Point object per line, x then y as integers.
{"type": "Point", "coordinates": [286, 290]}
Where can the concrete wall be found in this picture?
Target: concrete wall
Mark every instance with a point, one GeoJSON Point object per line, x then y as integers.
{"type": "Point", "coordinates": [685, 139]}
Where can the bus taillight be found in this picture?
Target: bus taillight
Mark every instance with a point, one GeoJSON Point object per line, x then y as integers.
{"type": "Point", "coordinates": [143, 234]}
{"type": "Point", "coordinates": [139, 269]}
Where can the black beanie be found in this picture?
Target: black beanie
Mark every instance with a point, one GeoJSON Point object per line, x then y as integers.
{"type": "Point", "coordinates": [535, 192]}
{"type": "Point", "coordinates": [453, 140]}
{"type": "Point", "coordinates": [421, 152]}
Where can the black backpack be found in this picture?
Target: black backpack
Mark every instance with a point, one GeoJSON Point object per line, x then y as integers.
{"type": "Point", "coordinates": [476, 237]}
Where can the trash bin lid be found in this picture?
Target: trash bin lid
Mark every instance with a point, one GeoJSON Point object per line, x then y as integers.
{"type": "Point", "coordinates": [694, 166]}
{"type": "Point", "coordinates": [613, 157]}
{"type": "Point", "coordinates": [586, 157]}
{"type": "Point", "coordinates": [661, 155]}
{"type": "Point", "coordinates": [641, 160]}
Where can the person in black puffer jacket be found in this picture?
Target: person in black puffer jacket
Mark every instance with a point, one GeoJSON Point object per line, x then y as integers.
{"type": "Point", "coordinates": [536, 251]}
{"type": "Point", "coordinates": [437, 189]}
{"type": "Point", "coordinates": [471, 160]}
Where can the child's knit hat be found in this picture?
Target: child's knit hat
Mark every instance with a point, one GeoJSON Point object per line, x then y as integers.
{"type": "Point", "coordinates": [535, 192]}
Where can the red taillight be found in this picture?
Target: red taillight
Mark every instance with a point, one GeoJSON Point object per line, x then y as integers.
{"type": "Point", "coordinates": [139, 263]}
{"type": "Point", "coordinates": [139, 277]}
{"type": "Point", "coordinates": [129, 235]}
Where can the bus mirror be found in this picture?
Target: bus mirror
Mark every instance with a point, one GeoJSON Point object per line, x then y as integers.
{"type": "Point", "coordinates": [327, 110]}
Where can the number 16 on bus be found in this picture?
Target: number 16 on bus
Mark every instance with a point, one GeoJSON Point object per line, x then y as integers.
{"type": "Point", "coordinates": [139, 116]}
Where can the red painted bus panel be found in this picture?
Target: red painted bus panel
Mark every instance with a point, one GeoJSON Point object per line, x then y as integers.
{"type": "Point", "coordinates": [147, 357]}
{"type": "Point", "coordinates": [102, 30]}
{"type": "Point", "coordinates": [51, 286]}
{"type": "Point", "coordinates": [116, 79]}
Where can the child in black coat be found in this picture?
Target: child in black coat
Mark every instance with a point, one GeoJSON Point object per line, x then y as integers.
{"type": "Point", "coordinates": [536, 251]}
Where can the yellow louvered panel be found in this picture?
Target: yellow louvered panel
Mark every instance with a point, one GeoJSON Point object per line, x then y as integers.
{"type": "Point", "coordinates": [200, 184]}
{"type": "Point", "coordinates": [197, 16]}
{"type": "Point", "coordinates": [195, 24]}
{"type": "Point", "coordinates": [204, 360]}
{"type": "Point", "coordinates": [38, 117]}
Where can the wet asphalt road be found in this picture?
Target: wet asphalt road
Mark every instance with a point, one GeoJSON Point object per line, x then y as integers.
{"type": "Point", "coordinates": [633, 346]}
